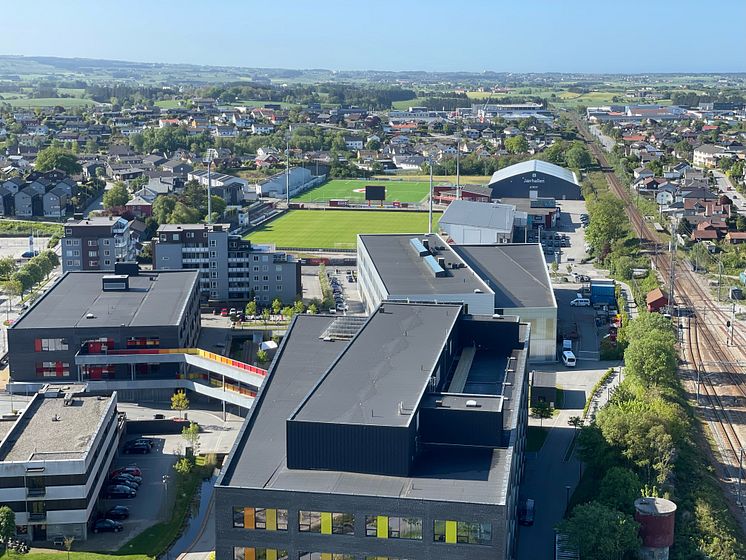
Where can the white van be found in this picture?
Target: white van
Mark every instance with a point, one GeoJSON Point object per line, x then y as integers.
{"type": "Point", "coordinates": [580, 302]}
{"type": "Point", "coordinates": [568, 358]}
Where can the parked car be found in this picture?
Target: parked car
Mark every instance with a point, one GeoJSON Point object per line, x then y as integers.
{"type": "Point", "coordinates": [224, 312]}
{"type": "Point", "coordinates": [526, 513]}
{"type": "Point", "coordinates": [147, 441]}
{"type": "Point", "coordinates": [141, 448]}
{"type": "Point", "coordinates": [127, 476]}
{"type": "Point", "coordinates": [580, 302]}
{"type": "Point", "coordinates": [129, 470]}
{"type": "Point", "coordinates": [120, 491]}
{"type": "Point", "coordinates": [568, 358]}
{"type": "Point", "coordinates": [122, 481]}
{"type": "Point", "coordinates": [118, 512]}
{"type": "Point", "coordinates": [107, 525]}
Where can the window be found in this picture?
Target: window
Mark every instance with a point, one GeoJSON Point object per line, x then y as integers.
{"type": "Point", "coordinates": [76, 253]}
{"type": "Point", "coordinates": [343, 524]}
{"type": "Point", "coordinates": [163, 237]}
{"type": "Point", "coordinates": [213, 265]}
{"type": "Point", "coordinates": [190, 234]}
{"type": "Point", "coordinates": [325, 556]}
{"type": "Point", "coordinates": [263, 519]}
{"type": "Point", "coordinates": [251, 553]}
{"type": "Point", "coordinates": [213, 284]}
{"type": "Point", "coordinates": [256, 258]}
{"type": "Point", "coordinates": [107, 253]}
{"type": "Point", "coordinates": [107, 242]}
{"type": "Point", "coordinates": [265, 258]}
{"type": "Point", "coordinates": [213, 254]}
{"type": "Point", "coordinates": [214, 294]}
{"type": "Point", "coordinates": [265, 278]}
{"type": "Point", "coordinates": [50, 344]}
{"type": "Point", "coordinates": [69, 263]}
{"type": "Point", "coordinates": [175, 237]}
{"type": "Point", "coordinates": [213, 243]}
{"type": "Point", "coordinates": [93, 254]}
{"type": "Point", "coordinates": [279, 278]}
{"type": "Point", "coordinates": [68, 242]}
{"type": "Point", "coordinates": [256, 278]}
{"type": "Point", "coordinates": [265, 288]}
{"type": "Point", "coordinates": [309, 521]}
{"type": "Point", "coordinates": [278, 288]}
{"type": "Point", "coordinates": [265, 268]}
{"type": "Point", "coordinates": [213, 274]}
{"type": "Point", "coordinates": [278, 267]}
{"type": "Point", "coordinates": [92, 243]}
{"type": "Point", "coordinates": [255, 268]}
{"type": "Point", "coordinates": [107, 262]}
{"type": "Point", "coordinates": [385, 527]}
{"type": "Point", "coordinates": [463, 532]}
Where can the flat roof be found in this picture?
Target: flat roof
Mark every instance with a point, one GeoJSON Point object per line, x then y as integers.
{"type": "Point", "coordinates": [404, 272]}
{"type": "Point", "coordinates": [516, 272]}
{"type": "Point", "coordinates": [389, 362]}
{"type": "Point", "coordinates": [37, 436]}
{"type": "Point", "coordinates": [153, 299]}
{"type": "Point", "coordinates": [442, 473]}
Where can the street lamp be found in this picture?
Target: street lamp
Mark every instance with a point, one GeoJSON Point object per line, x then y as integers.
{"type": "Point", "coordinates": [567, 497]}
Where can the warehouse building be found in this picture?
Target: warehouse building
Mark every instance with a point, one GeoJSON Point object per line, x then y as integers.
{"type": "Point", "coordinates": [399, 435]}
{"type": "Point", "coordinates": [535, 179]}
{"type": "Point", "coordinates": [504, 279]}
{"type": "Point", "coordinates": [54, 459]}
{"type": "Point", "coordinates": [478, 222]}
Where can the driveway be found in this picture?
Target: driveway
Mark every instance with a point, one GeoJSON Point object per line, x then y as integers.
{"type": "Point", "coordinates": [552, 474]}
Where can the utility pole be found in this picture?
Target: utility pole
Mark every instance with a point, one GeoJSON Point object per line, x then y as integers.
{"type": "Point", "coordinates": [720, 276]}
{"type": "Point", "coordinates": [430, 205]}
{"type": "Point", "coordinates": [287, 169]}
{"type": "Point", "coordinates": [740, 476]}
{"type": "Point", "coordinates": [458, 169]}
{"type": "Point", "coordinates": [730, 323]}
{"type": "Point", "coordinates": [673, 266]}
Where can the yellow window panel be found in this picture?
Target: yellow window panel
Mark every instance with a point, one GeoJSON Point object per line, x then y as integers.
{"type": "Point", "coordinates": [248, 521]}
{"type": "Point", "coordinates": [382, 527]}
{"type": "Point", "coordinates": [271, 519]}
{"type": "Point", "coordinates": [271, 554]}
{"type": "Point", "coordinates": [326, 526]}
{"type": "Point", "coordinates": [450, 531]}
{"type": "Point", "coordinates": [326, 556]}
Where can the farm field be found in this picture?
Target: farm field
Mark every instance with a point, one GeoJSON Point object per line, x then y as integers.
{"type": "Point", "coordinates": [354, 190]}
{"type": "Point", "coordinates": [66, 102]}
{"type": "Point", "coordinates": [337, 229]}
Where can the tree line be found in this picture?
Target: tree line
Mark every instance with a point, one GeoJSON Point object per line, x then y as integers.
{"type": "Point", "coordinates": [19, 280]}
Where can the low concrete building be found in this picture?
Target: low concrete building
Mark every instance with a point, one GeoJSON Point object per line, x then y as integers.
{"type": "Point", "coordinates": [479, 223]}
{"type": "Point", "coordinates": [55, 459]}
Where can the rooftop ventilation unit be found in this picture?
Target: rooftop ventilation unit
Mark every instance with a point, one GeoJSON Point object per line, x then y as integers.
{"type": "Point", "coordinates": [419, 247]}
{"type": "Point", "coordinates": [471, 403]}
{"type": "Point", "coordinates": [435, 268]}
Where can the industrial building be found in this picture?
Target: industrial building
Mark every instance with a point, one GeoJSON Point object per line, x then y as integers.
{"type": "Point", "coordinates": [504, 279]}
{"type": "Point", "coordinates": [478, 222]}
{"type": "Point", "coordinates": [535, 179]}
{"type": "Point", "coordinates": [54, 460]}
{"type": "Point", "coordinates": [399, 435]}
{"type": "Point", "coordinates": [232, 270]}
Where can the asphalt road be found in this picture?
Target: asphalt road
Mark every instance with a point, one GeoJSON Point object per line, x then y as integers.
{"type": "Point", "coordinates": [725, 186]}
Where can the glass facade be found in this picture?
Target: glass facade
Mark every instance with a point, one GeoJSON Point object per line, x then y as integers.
{"type": "Point", "coordinates": [267, 519]}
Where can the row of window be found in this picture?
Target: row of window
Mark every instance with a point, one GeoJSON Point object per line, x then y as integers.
{"type": "Point", "coordinates": [50, 344]}
{"type": "Point", "coordinates": [379, 526]}
{"type": "Point", "coordinates": [251, 553]}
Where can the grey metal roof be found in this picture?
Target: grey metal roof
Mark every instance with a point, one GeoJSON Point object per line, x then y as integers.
{"type": "Point", "coordinates": [516, 273]}
{"type": "Point", "coordinates": [404, 272]}
{"type": "Point", "coordinates": [480, 214]}
{"type": "Point", "coordinates": [157, 302]}
{"type": "Point", "coordinates": [389, 362]}
{"type": "Point", "coordinates": [534, 165]}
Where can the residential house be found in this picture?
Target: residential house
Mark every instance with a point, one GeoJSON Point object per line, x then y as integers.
{"type": "Point", "coordinates": [353, 144]}
{"type": "Point", "coordinates": [706, 155]}
{"type": "Point", "coordinates": [736, 237]}
{"type": "Point", "coordinates": [408, 162]}
{"type": "Point", "coordinates": [139, 207]}
{"type": "Point", "coordinates": [259, 128]}
{"type": "Point", "coordinates": [54, 201]}
{"type": "Point", "coordinates": [655, 300]}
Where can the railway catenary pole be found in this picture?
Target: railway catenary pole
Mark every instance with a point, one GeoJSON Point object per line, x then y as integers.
{"type": "Point", "coordinates": [672, 280]}
{"type": "Point", "coordinates": [740, 476]}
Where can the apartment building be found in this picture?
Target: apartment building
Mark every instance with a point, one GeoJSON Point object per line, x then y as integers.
{"type": "Point", "coordinates": [97, 243]}
{"type": "Point", "coordinates": [54, 459]}
{"type": "Point", "coordinates": [231, 269]}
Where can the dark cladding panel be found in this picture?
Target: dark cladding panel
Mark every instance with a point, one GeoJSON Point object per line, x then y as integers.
{"type": "Point", "coordinates": [381, 450]}
{"type": "Point", "coordinates": [491, 334]}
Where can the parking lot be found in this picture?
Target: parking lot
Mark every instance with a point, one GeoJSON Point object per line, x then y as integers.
{"type": "Point", "coordinates": [16, 246]}
{"type": "Point", "coordinates": [344, 284]}
{"type": "Point", "coordinates": [154, 499]}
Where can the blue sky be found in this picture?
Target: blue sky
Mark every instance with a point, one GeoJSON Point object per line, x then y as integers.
{"type": "Point", "coordinates": [476, 35]}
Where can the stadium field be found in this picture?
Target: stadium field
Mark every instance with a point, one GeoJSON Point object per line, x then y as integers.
{"type": "Point", "coordinates": [354, 190]}
{"type": "Point", "coordinates": [336, 229]}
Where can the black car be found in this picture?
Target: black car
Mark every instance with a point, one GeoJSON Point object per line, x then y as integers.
{"type": "Point", "coordinates": [125, 482]}
{"type": "Point", "coordinates": [141, 448]}
{"type": "Point", "coordinates": [107, 525]}
{"type": "Point", "coordinates": [127, 476]}
{"type": "Point", "coordinates": [118, 512]}
{"type": "Point", "coordinates": [120, 491]}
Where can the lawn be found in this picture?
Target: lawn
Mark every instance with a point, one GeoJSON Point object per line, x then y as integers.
{"type": "Point", "coordinates": [336, 229]}
{"type": "Point", "coordinates": [74, 555]}
{"type": "Point", "coordinates": [169, 103]}
{"type": "Point", "coordinates": [67, 102]}
{"type": "Point", "coordinates": [354, 190]}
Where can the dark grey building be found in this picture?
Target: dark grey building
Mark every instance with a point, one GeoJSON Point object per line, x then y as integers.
{"type": "Point", "coordinates": [98, 312]}
{"type": "Point", "coordinates": [535, 179]}
{"type": "Point", "coordinates": [399, 435]}
{"type": "Point", "coordinates": [231, 269]}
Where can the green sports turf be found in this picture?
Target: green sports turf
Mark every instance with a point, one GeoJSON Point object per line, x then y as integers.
{"type": "Point", "coordinates": [403, 191]}
{"type": "Point", "coordinates": [336, 229]}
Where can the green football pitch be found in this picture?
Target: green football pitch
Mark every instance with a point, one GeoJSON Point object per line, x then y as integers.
{"type": "Point", "coordinates": [354, 191]}
{"type": "Point", "coordinates": [337, 229]}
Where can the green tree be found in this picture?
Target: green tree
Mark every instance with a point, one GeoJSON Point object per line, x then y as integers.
{"type": "Point", "coordinates": [7, 267]}
{"type": "Point", "coordinates": [516, 144]}
{"type": "Point", "coordinates": [163, 206]}
{"type": "Point", "coordinates": [619, 489]}
{"type": "Point", "coordinates": [287, 312]}
{"type": "Point", "coordinates": [57, 158]}
{"type": "Point", "coordinates": [118, 195]}
{"type": "Point", "coordinates": [541, 410]}
{"type": "Point", "coordinates": [276, 306]}
{"type": "Point", "coordinates": [262, 356]}
{"type": "Point", "coordinates": [741, 222]}
{"type": "Point", "coordinates": [684, 229]}
{"type": "Point", "coordinates": [313, 309]}
{"type": "Point", "coordinates": [265, 315]}
{"type": "Point", "coordinates": [298, 307]}
{"type": "Point", "coordinates": [608, 225]}
{"type": "Point", "coordinates": [191, 436]}
{"type": "Point", "coordinates": [180, 402]}
{"type": "Point", "coordinates": [183, 466]}
{"type": "Point", "coordinates": [600, 532]}
{"type": "Point", "coordinates": [24, 279]}
{"type": "Point", "coordinates": [251, 308]}
{"type": "Point", "coordinates": [578, 157]}
{"type": "Point", "coordinates": [183, 214]}
{"type": "Point", "coordinates": [651, 359]}
{"type": "Point", "coordinates": [7, 523]}
{"type": "Point", "coordinates": [646, 323]}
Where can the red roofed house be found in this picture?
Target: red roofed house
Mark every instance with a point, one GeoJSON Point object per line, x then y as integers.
{"type": "Point", "coordinates": [735, 237]}
{"type": "Point", "coordinates": [655, 300]}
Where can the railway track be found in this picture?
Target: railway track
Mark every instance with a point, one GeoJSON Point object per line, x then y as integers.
{"type": "Point", "coordinates": [724, 387]}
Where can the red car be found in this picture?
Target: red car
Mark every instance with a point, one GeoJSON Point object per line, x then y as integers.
{"type": "Point", "coordinates": [224, 312]}
{"type": "Point", "coordinates": [134, 471]}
